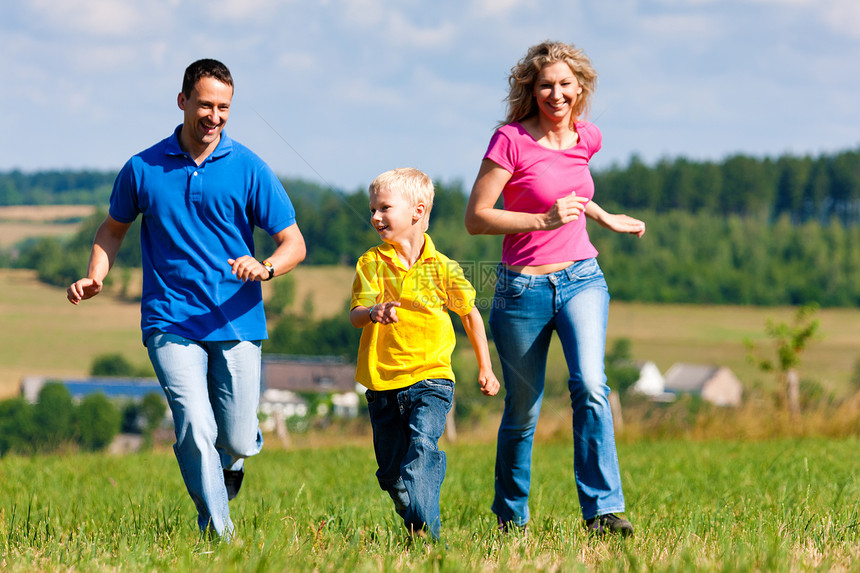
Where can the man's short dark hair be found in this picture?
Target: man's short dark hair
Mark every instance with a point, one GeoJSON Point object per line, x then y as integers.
{"type": "Point", "coordinates": [205, 68]}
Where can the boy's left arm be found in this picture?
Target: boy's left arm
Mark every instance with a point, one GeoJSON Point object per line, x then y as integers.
{"type": "Point", "coordinates": [474, 326]}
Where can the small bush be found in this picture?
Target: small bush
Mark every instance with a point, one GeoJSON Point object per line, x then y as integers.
{"type": "Point", "coordinates": [98, 421]}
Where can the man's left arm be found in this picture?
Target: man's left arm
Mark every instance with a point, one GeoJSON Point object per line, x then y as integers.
{"type": "Point", "coordinates": [290, 251]}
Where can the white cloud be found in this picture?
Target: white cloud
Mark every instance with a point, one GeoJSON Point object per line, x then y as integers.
{"type": "Point", "coordinates": [363, 13]}
{"type": "Point", "coordinates": [497, 8]}
{"type": "Point", "coordinates": [841, 16]}
{"type": "Point", "coordinates": [402, 31]}
{"type": "Point", "coordinates": [104, 19]}
{"type": "Point", "coordinates": [245, 10]}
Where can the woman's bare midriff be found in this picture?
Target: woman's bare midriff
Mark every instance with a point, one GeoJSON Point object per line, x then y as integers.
{"type": "Point", "coordinates": [539, 269]}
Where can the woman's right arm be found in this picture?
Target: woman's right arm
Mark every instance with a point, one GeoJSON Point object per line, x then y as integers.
{"type": "Point", "coordinates": [482, 217]}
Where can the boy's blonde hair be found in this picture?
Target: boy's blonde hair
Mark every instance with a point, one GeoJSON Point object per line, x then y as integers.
{"type": "Point", "coordinates": [415, 185]}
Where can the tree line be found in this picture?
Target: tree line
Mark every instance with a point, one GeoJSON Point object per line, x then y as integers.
{"type": "Point", "coordinates": [804, 188]}
{"type": "Point", "coordinates": [741, 231]}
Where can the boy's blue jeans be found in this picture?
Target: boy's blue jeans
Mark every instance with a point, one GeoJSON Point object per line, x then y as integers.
{"type": "Point", "coordinates": [573, 302]}
{"type": "Point", "coordinates": [213, 389]}
{"type": "Point", "coordinates": [407, 424]}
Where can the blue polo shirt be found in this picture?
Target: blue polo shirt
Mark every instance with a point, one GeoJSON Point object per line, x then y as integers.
{"type": "Point", "coordinates": [194, 218]}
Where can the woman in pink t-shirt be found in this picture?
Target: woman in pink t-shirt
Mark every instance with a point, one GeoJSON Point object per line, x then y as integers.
{"type": "Point", "coordinates": [549, 279]}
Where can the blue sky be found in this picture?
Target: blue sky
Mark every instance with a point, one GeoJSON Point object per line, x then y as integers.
{"type": "Point", "coordinates": [337, 91]}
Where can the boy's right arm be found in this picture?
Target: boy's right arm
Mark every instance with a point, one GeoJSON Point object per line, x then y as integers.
{"type": "Point", "coordinates": [382, 313]}
{"type": "Point", "coordinates": [474, 326]}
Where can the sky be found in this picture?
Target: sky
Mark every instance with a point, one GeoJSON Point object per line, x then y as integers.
{"type": "Point", "coordinates": [338, 91]}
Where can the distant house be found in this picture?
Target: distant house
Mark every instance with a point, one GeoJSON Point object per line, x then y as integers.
{"type": "Point", "coordinates": [651, 383]}
{"type": "Point", "coordinates": [715, 384]}
{"type": "Point", "coordinates": [115, 388]}
{"type": "Point", "coordinates": [282, 381]}
{"type": "Point", "coordinates": [308, 374]}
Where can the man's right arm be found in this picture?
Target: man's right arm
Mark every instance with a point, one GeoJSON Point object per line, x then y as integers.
{"type": "Point", "coordinates": [106, 245]}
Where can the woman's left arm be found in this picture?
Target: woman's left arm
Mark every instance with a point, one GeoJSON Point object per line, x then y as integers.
{"type": "Point", "coordinates": [617, 223]}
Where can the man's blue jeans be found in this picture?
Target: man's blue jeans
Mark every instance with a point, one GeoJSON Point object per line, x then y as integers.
{"type": "Point", "coordinates": [526, 309]}
{"type": "Point", "coordinates": [213, 390]}
{"type": "Point", "coordinates": [407, 424]}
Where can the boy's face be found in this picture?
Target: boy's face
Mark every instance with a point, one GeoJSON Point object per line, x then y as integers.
{"type": "Point", "coordinates": [394, 218]}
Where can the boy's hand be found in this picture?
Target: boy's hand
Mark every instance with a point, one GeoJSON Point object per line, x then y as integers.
{"type": "Point", "coordinates": [489, 383]}
{"type": "Point", "coordinates": [385, 312]}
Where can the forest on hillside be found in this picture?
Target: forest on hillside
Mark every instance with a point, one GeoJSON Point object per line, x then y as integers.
{"type": "Point", "coordinates": [741, 231]}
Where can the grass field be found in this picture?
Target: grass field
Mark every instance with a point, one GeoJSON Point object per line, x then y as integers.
{"type": "Point", "coordinates": [786, 505]}
{"type": "Point", "coordinates": [772, 505]}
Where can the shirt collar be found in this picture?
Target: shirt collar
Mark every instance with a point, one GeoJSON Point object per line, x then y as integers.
{"type": "Point", "coordinates": [428, 252]}
{"type": "Point", "coordinates": [225, 145]}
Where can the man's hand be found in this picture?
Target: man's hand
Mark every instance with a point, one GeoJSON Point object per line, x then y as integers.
{"type": "Point", "coordinates": [248, 268]}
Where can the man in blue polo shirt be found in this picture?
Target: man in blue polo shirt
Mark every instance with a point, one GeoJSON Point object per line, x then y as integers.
{"type": "Point", "coordinates": [200, 195]}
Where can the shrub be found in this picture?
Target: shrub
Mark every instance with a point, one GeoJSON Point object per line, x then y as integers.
{"type": "Point", "coordinates": [97, 420]}
{"type": "Point", "coordinates": [53, 416]}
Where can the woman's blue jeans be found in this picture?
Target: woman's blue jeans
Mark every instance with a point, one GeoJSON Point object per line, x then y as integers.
{"type": "Point", "coordinates": [213, 390]}
{"type": "Point", "coordinates": [407, 424]}
{"type": "Point", "coordinates": [574, 302]}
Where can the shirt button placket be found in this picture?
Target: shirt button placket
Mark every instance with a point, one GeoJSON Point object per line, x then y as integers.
{"type": "Point", "coordinates": [196, 184]}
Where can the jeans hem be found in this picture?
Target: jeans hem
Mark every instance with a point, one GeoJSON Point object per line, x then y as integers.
{"type": "Point", "coordinates": [599, 512]}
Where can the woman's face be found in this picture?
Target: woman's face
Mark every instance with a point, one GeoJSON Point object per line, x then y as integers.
{"type": "Point", "coordinates": [556, 90]}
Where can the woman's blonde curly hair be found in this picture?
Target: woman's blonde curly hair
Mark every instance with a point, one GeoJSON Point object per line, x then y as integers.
{"type": "Point", "coordinates": [521, 100]}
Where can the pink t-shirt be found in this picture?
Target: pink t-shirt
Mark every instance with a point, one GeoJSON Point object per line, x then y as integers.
{"type": "Point", "coordinates": [540, 176]}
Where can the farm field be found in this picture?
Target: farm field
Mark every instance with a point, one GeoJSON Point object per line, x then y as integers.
{"type": "Point", "coordinates": [44, 335]}
{"type": "Point", "coordinates": [25, 221]}
{"type": "Point", "coordinates": [783, 505]}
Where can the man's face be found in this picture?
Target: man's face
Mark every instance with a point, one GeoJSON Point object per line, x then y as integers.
{"type": "Point", "coordinates": [206, 109]}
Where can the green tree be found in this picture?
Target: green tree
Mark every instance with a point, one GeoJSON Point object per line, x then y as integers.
{"type": "Point", "coordinates": [152, 409]}
{"type": "Point", "coordinates": [53, 415]}
{"type": "Point", "coordinates": [283, 295]}
{"type": "Point", "coordinates": [97, 421]}
{"type": "Point", "coordinates": [789, 342]}
{"type": "Point", "coordinates": [17, 426]}
{"type": "Point", "coordinates": [112, 365]}
{"type": "Point", "coordinates": [621, 372]}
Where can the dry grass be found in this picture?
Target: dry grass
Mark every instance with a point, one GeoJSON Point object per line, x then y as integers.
{"type": "Point", "coordinates": [13, 233]}
{"type": "Point", "coordinates": [29, 221]}
{"type": "Point", "coordinates": [43, 334]}
{"type": "Point", "coordinates": [45, 213]}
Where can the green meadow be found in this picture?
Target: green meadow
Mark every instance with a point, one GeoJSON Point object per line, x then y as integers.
{"type": "Point", "coordinates": [779, 505]}
{"type": "Point", "coordinates": [772, 494]}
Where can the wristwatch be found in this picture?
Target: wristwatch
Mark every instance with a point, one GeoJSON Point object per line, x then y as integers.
{"type": "Point", "coordinates": [269, 268]}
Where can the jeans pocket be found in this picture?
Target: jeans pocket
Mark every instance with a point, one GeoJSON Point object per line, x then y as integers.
{"type": "Point", "coordinates": [587, 269]}
{"type": "Point", "coordinates": [439, 384]}
{"type": "Point", "coordinates": [511, 286]}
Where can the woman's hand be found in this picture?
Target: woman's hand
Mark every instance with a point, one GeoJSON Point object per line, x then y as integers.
{"type": "Point", "coordinates": [624, 224]}
{"type": "Point", "coordinates": [564, 211]}
{"type": "Point", "coordinates": [617, 223]}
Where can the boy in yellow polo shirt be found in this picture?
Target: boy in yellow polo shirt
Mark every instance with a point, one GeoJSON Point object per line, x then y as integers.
{"type": "Point", "coordinates": [401, 295]}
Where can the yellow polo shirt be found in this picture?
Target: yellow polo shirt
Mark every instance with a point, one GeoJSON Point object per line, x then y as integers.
{"type": "Point", "coordinates": [419, 346]}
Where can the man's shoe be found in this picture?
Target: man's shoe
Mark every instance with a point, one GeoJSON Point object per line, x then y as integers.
{"type": "Point", "coordinates": [233, 482]}
{"type": "Point", "coordinates": [609, 523]}
{"type": "Point", "coordinates": [510, 526]}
